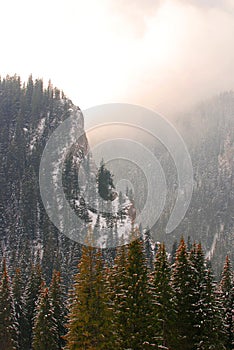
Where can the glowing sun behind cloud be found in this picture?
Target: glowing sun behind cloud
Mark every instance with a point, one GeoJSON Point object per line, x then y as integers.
{"type": "Point", "coordinates": [152, 52]}
{"type": "Point", "coordinates": [111, 60]}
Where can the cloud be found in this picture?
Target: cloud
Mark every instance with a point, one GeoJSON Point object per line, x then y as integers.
{"type": "Point", "coordinates": [166, 55]}
{"type": "Point", "coordinates": [193, 60]}
{"type": "Point", "coordinates": [135, 12]}
{"type": "Point", "coordinates": [208, 4]}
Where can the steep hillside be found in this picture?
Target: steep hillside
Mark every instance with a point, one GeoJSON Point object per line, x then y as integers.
{"type": "Point", "coordinates": [208, 131]}
{"type": "Point", "coordinates": [28, 116]}
{"type": "Point", "coordinates": [209, 134]}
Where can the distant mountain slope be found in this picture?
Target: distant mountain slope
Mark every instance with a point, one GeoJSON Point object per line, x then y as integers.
{"type": "Point", "coordinates": [208, 131]}
{"type": "Point", "coordinates": [28, 116]}
{"type": "Point", "coordinates": [209, 134]}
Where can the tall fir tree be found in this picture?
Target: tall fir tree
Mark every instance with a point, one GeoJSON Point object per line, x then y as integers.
{"type": "Point", "coordinates": [58, 305]}
{"type": "Point", "coordinates": [211, 336]}
{"type": "Point", "coordinates": [164, 308]}
{"type": "Point", "coordinates": [8, 325]}
{"type": "Point", "coordinates": [135, 301]}
{"type": "Point", "coordinates": [20, 309]}
{"type": "Point", "coordinates": [183, 287]}
{"type": "Point", "coordinates": [198, 321]}
{"type": "Point", "coordinates": [105, 182]}
{"type": "Point", "coordinates": [226, 287]}
{"type": "Point", "coordinates": [45, 330]}
{"type": "Point", "coordinates": [89, 317]}
{"type": "Point", "coordinates": [117, 285]}
{"type": "Point", "coordinates": [197, 260]}
{"type": "Point", "coordinates": [33, 290]}
{"type": "Point", "coordinates": [207, 318]}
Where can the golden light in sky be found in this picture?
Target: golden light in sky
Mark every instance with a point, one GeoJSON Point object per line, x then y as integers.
{"type": "Point", "coordinates": [157, 53]}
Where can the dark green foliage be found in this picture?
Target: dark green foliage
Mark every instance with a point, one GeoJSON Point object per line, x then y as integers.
{"type": "Point", "coordinates": [28, 115]}
{"type": "Point", "coordinates": [58, 306]}
{"type": "Point", "coordinates": [184, 287]}
{"type": "Point", "coordinates": [29, 198]}
{"type": "Point", "coordinates": [211, 335]}
{"type": "Point", "coordinates": [33, 290]}
{"type": "Point", "coordinates": [89, 317]}
{"type": "Point", "coordinates": [45, 330]}
{"type": "Point", "coordinates": [20, 309]}
{"type": "Point", "coordinates": [198, 321]}
{"type": "Point", "coordinates": [164, 308]}
{"type": "Point", "coordinates": [121, 307]}
{"type": "Point", "coordinates": [207, 318]}
{"type": "Point", "coordinates": [117, 285]}
{"type": "Point", "coordinates": [133, 303]}
{"type": "Point", "coordinates": [199, 295]}
{"type": "Point", "coordinates": [8, 324]}
{"type": "Point", "coordinates": [227, 299]}
{"type": "Point", "coordinates": [105, 183]}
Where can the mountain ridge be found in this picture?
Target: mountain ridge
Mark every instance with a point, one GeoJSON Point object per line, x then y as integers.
{"type": "Point", "coordinates": [29, 114]}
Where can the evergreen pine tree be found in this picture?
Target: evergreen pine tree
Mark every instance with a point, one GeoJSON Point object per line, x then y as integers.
{"type": "Point", "coordinates": [117, 286]}
{"type": "Point", "coordinates": [58, 306]}
{"type": "Point", "coordinates": [134, 301]}
{"type": "Point", "coordinates": [45, 330]}
{"type": "Point", "coordinates": [105, 182]}
{"type": "Point", "coordinates": [183, 287]}
{"type": "Point", "coordinates": [227, 298]}
{"type": "Point", "coordinates": [197, 260]}
{"type": "Point", "coordinates": [207, 321]}
{"type": "Point", "coordinates": [19, 301]}
{"type": "Point", "coordinates": [89, 320]}
{"type": "Point", "coordinates": [163, 299]}
{"type": "Point", "coordinates": [8, 325]}
{"type": "Point", "coordinates": [211, 336]}
{"type": "Point", "coordinates": [198, 322]}
{"type": "Point", "coordinates": [33, 290]}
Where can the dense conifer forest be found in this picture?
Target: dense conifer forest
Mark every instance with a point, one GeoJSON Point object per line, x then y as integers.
{"type": "Point", "coordinates": [126, 305]}
{"type": "Point", "coordinates": [58, 294]}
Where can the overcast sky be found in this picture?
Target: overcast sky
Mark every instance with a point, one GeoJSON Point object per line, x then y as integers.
{"type": "Point", "coordinates": [165, 55]}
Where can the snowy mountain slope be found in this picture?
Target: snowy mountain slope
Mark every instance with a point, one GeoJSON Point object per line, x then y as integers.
{"type": "Point", "coordinates": [28, 116]}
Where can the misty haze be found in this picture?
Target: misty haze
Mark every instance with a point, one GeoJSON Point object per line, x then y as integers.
{"type": "Point", "coordinates": [116, 175]}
